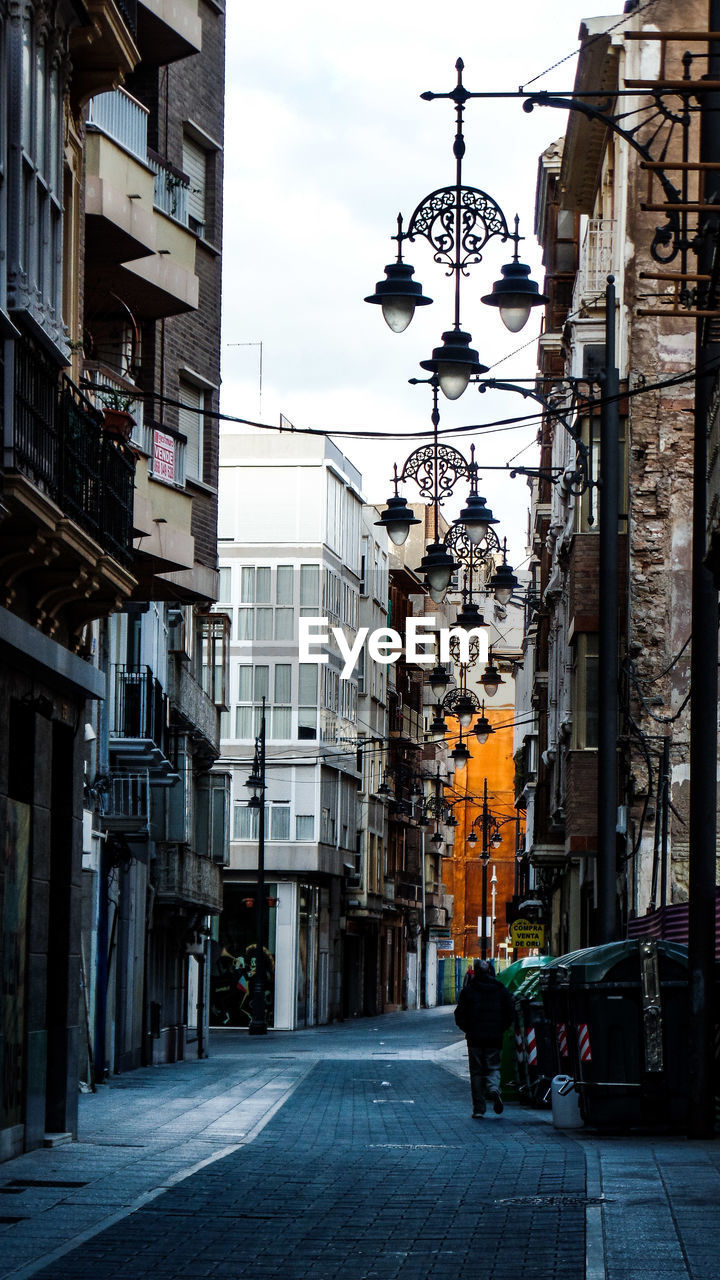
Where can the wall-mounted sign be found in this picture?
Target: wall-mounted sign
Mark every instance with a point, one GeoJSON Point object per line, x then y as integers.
{"type": "Point", "coordinates": [527, 933]}
{"type": "Point", "coordinates": [163, 456]}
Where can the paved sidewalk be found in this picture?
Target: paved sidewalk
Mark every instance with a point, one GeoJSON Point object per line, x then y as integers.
{"type": "Point", "coordinates": [289, 1155]}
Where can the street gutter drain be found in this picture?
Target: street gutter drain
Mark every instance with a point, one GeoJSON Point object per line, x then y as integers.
{"type": "Point", "coordinates": [21, 1183]}
{"type": "Point", "coordinates": [558, 1201]}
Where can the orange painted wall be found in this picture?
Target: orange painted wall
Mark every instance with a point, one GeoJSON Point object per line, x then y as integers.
{"type": "Point", "coordinates": [462, 872]}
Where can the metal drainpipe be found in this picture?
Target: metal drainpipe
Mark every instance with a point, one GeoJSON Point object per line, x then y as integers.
{"type": "Point", "coordinates": [608, 635]}
{"type": "Point", "coordinates": [703, 678]}
{"type": "Point", "coordinates": [421, 974]}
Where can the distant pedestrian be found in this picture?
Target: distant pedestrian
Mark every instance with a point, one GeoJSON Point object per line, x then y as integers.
{"type": "Point", "coordinates": [484, 1011]}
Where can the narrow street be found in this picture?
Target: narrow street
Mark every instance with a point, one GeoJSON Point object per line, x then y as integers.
{"type": "Point", "coordinates": [348, 1150]}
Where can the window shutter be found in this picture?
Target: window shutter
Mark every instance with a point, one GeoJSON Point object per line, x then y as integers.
{"type": "Point", "coordinates": [191, 424]}
{"type": "Point", "coordinates": [195, 166]}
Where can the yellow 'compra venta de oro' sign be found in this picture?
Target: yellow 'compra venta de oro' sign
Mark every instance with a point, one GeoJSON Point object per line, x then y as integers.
{"type": "Point", "coordinates": [527, 933]}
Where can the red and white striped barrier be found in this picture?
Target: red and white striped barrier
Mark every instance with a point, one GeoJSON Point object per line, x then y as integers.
{"type": "Point", "coordinates": [562, 1040]}
{"type": "Point", "coordinates": [519, 1048]}
{"type": "Point", "coordinates": [584, 1042]}
{"type": "Point", "coordinates": [531, 1047]}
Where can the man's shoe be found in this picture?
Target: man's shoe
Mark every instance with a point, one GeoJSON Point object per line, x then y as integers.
{"type": "Point", "coordinates": [478, 1115]}
{"type": "Point", "coordinates": [497, 1102]}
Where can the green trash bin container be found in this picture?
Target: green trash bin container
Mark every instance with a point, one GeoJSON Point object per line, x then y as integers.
{"type": "Point", "coordinates": [534, 1043]}
{"type": "Point", "coordinates": [625, 1008]}
{"type": "Point", "coordinates": [554, 987]}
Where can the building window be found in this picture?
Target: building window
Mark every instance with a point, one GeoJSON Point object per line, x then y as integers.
{"type": "Point", "coordinates": [307, 700]}
{"type": "Point", "coordinates": [256, 683]}
{"type": "Point", "coordinates": [191, 424]}
{"type": "Point", "coordinates": [246, 821]}
{"type": "Point", "coordinates": [279, 822]}
{"type": "Point", "coordinates": [305, 826]}
{"type": "Point", "coordinates": [195, 165]}
{"type": "Point", "coordinates": [585, 701]}
{"type": "Point", "coordinates": [224, 584]}
{"type": "Point", "coordinates": [309, 589]}
{"type": "Point", "coordinates": [214, 629]}
{"type": "Point", "coordinates": [36, 249]}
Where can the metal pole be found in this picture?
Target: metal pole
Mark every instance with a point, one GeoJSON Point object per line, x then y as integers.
{"type": "Point", "coordinates": [703, 677]}
{"type": "Point", "coordinates": [608, 637]}
{"type": "Point", "coordinates": [258, 1025]}
{"type": "Point", "coordinates": [485, 856]}
{"type": "Point", "coordinates": [665, 820]}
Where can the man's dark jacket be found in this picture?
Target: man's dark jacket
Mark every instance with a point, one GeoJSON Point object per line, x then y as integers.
{"type": "Point", "coordinates": [484, 1010]}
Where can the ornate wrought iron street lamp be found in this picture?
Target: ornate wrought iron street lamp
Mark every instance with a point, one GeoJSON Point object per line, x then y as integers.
{"type": "Point", "coordinates": [457, 221]}
{"type": "Point", "coordinates": [436, 468]}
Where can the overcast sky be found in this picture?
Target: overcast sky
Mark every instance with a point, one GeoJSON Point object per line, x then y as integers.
{"type": "Point", "coordinates": [326, 140]}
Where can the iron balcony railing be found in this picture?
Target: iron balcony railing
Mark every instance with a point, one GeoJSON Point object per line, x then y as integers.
{"type": "Point", "coordinates": [141, 709]}
{"type": "Point", "coordinates": [59, 444]}
{"type": "Point", "coordinates": [181, 876]}
{"type": "Point", "coordinates": [111, 390]}
{"type": "Point", "coordinates": [172, 188]}
{"type": "Point", "coordinates": [596, 260]}
{"type": "Point", "coordinates": [123, 119]}
{"type": "Point", "coordinates": [126, 802]}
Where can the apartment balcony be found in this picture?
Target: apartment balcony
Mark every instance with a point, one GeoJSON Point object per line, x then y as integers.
{"type": "Point", "coordinates": [139, 724]}
{"type": "Point", "coordinates": [138, 242]}
{"type": "Point", "coordinates": [162, 520]}
{"type": "Point", "coordinates": [193, 708]}
{"type": "Point", "coordinates": [105, 388]}
{"type": "Point", "coordinates": [120, 187]}
{"type": "Point", "coordinates": [126, 804]}
{"type": "Point", "coordinates": [67, 490]}
{"type": "Point", "coordinates": [168, 30]}
{"type": "Point", "coordinates": [595, 265]}
{"type": "Point", "coordinates": [105, 50]}
{"type": "Point", "coordinates": [183, 878]}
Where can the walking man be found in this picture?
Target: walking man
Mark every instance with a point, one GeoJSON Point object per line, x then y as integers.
{"type": "Point", "coordinates": [484, 1011]}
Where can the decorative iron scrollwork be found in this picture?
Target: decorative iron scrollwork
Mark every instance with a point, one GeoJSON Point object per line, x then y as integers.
{"type": "Point", "coordinates": [436, 469]}
{"type": "Point", "coordinates": [458, 246]}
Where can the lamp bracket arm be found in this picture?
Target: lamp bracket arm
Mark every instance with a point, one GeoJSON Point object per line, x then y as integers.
{"type": "Point", "coordinates": [669, 239]}
{"type": "Point", "coordinates": [579, 482]}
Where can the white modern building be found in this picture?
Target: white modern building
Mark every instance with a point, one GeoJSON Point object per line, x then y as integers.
{"type": "Point", "coordinates": [363, 986]}
{"type": "Point", "coordinates": [289, 550]}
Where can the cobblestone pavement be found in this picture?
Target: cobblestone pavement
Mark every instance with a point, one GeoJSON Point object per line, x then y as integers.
{"type": "Point", "coordinates": [348, 1151]}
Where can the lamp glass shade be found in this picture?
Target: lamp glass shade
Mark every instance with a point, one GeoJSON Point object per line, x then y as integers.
{"type": "Point", "coordinates": [495, 841]}
{"type": "Point", "coordinates": [438, 576]}
{"type": "Point", "coordinates": [514, 312]}
{"type": "Point", "coordinates": [475, 530]}
{"type": "Point", "coordinates": [482, 737]}
{"type": "Point", "coordinates": [438, 681]}
{"type": "Point", "coordinates": [437, 595]}
{"type": "Point", "coordinates": [438, 728]}
{"type": "Point", "coordinates": [398, 312]}
{"type": "Point", "coordinates": [503, 594]}
{"type": "Point", "coordinates": [254, 785]}
{"type": "Point", "coordinates": [398, 532]}
{"type": "Point", "coordinates": [472, 838]}
{"type": "Point", "coordinates": [453, 379]}
{"type": "Point", "coordinates": [460, 755]}
{"type": "Point", "coordinates": [490, 685]}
